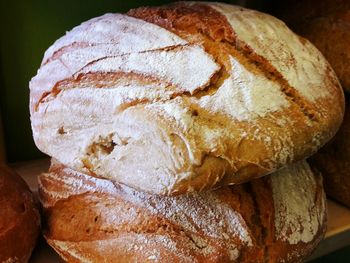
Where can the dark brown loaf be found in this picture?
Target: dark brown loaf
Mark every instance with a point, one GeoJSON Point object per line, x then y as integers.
{"type": "Point", "coordinates": [278, 218]}
{"type": "Point", "coordinates": [183, 98]}
{"type": "Point", "coordinates": [19, 218]}
{"type": "Point", "coordinates": [326, 24]}
{"type": "Point", "coordinates": [334, 163]}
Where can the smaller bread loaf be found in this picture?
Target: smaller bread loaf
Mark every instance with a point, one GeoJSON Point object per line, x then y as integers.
{"type": "Point", "coordinates": [326, 24]}
{"type": "Point", "coordinates": [334, 163]}
{"type": "Point", "coordinates": [19, 218]}
{"type": "Point", "coordinates": [183, 98]}
{"type": "Point", "coordinates": [277, 218]}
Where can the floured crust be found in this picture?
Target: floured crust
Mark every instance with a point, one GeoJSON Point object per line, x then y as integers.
{"type": "Point", "coordinates": [199, 101]}
{"type": "Point", "coordinates": [19, 218]}
{"type": "Point", "coordinates": [278, 218]}
{"type": "Point", "coordinates": [333, 161]}
{"type": "Point", "coordinates": [326, 24]}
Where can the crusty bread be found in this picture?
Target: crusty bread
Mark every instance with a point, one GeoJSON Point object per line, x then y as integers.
{"type": "Point", "coordinates": [326, 24]}
{"type": "Point", "coordinates": [19, 218]}
{"type": "Point", "coordinates": [334, 162]}
{"type": "Point", "coordinates": [277, 218]}
{"type": "Point", "coordinates": [183, 98]}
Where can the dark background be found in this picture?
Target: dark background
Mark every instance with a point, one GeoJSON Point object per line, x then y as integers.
{"type": "Point", "coordinates": [28, 28]}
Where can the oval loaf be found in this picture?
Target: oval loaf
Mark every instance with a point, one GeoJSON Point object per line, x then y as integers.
{"type": "Point", "coordinates": [183, 98]}
{"type": "Point", "coordinates": [277, 218]}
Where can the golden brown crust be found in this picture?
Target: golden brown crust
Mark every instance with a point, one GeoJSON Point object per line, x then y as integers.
{"type": "Point", "coordinates": [200, 23]}
{"type": "Point", "coordinates": [19, 218]}
{"type": "Point", "coordinates": [94, 220]}
{"type": "Point", "coordinates": [326, 24]}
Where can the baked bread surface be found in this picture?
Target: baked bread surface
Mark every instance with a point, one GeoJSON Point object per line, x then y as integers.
{"type": "Point", "coordinates": [277, 218]}
{"type": "Point", "coordinates": [326, 24]}
{"type": "Point", "coordinates": [19, 218]}
{"type": "Point", "coordinates": [183, 98]}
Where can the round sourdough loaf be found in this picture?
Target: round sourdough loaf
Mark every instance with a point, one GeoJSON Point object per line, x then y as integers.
{"type": "Point", "coordinates": [333, 161]}
{"type": "Point", "coordinates": [19, 218]}
{"type": "Point", "coordinates": [277, 218]}
{"type": "Point", "coordinates": [183, 98]}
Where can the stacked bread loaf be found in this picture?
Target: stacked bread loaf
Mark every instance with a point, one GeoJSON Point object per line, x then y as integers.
{"type": "Point", "coordinates": [160, 123]}
{"type": "Point", "coordinates": [326, 24]}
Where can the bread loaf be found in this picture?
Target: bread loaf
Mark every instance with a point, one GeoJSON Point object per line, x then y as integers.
{"type": "Point", "coordinates": [334, 163]}
{"type": "Point", "coordinates": [19, 218]}
{"type": "Point", "coordinates": [277, 218]}
{"type": "Point", "coordinates": [326, 24]}
{"type": "Point", "coordinates": [183, 98]}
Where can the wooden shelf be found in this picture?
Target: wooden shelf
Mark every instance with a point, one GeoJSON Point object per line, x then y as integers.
{"type": "Point", "coordinates": [337, 236]}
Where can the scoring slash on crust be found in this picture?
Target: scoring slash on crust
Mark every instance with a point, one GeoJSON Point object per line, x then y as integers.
{"type": "Point", "coordinates": [183, 97]}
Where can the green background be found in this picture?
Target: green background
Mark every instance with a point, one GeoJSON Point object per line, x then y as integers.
{"type": "Point", "coordinates": [28, 28]}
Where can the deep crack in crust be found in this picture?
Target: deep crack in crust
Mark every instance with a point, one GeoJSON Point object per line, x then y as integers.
{"type": "Point", "coordinates": [197, 136]}
{"type": "Point", "coordinates": [87, 218]}
{"type": "Point", "coordinates": [200, 23]}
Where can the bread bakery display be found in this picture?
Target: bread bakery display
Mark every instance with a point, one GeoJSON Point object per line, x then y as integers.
{"type": "Point", "coordinates": [183, 98]}
{"type": "Point", "coordinates": [179, 134]}
{"type": "Point", "coordinates": [326, 24]}
{"type": "Point", "coordinates": [19, 218]}
{"type": "Point", "coordinates": [277, 218]}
